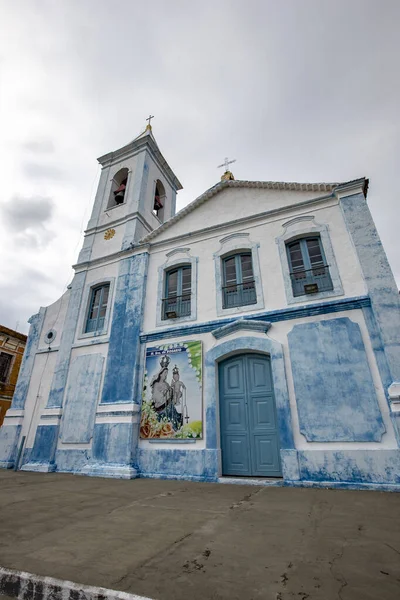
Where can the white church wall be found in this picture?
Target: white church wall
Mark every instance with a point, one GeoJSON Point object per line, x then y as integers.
{"type": "Point", "coordinates": [54, 322]}
{"type": "Point", "coordinates": [264, 233]}
{"type": "Point", "coordinates": [108, 239]}
{"type": "Point", "coordinates": [38, 393]}
{"type": "Point", "coordinates": [147, 203]}
{"type": "Point", "coordinates": [232, 204]}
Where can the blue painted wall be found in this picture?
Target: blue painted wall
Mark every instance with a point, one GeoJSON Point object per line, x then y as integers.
{"type": "Point", "coordinates": [355, 466]}
{"type": "Point", "coordinates": [112, 443]}
{"type": "Point", "coordinates": [167, 463]}
{"type": "Point", "coordinates": [81, 399]}
{"type": "Point", "coordinates": [59, 381]}
{"type": "Point", "coordinates": [378, 276]}
{"type": "Point", "coordinates": [335, 393]}
{"type": "Point", "coordinates": [9, 436]}
{"type": "Point", "coordinates": [44, 448]}
{"type": "Point", "coordinates": [28, 359]}
{"type": "Point", "coordinates": [124, 349]}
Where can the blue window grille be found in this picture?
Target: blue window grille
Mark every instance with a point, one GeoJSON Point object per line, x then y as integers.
{"type": "Point", "coordinates": [309, 272]}
{"type": "Point", "coordinates": [178, 290]}
{"type": "Point", "coordinates": [97, 309]}
{"type": "Point", "coordinates": [239, 286]}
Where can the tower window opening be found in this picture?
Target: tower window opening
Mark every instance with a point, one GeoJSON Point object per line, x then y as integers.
{"type": "Point", "coordinates": [159, 200]}
{"type": "Point", "coordinates": [118, 188]}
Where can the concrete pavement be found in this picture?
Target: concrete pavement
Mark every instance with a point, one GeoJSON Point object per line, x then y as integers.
{"type": "Point", "coordinates": [174, 540]}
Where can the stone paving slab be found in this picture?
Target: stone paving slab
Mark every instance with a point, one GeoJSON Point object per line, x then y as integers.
{"type": "Point", "coordinates": [178, 540]}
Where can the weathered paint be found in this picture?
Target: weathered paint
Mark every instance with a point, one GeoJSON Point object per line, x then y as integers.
{"type": "Point", "coordinates": [81, 399]}
{"type": "Point", "coordinates": [59, 381]}
{"type": "Point", "coordinates": [335, 394]}
{"type": "Point", "coordinates": [21, 391]}
{"type": "Point", "coordinates": [378, 276]}
{"type": "Point", "coordinates": [124, 347]}
{"type": "Point", "coordinates": [44, 449]}
{"type": "Point", "coordinates": [9, 436]}
{"type": "Point", "coordinates": [201, 465]}
{"type": "Point", "coordinates": [356, 466]}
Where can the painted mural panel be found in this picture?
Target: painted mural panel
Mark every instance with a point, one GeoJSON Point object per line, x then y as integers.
{"type": "Point", "coordinates": [172, 392]}
{"type": "Point", "coordinates": [335, 393]}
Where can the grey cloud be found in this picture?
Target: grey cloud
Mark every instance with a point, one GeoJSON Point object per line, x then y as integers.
{"type": "Point", "coordinates": [20, 303]}
{"type": "Point", "coordinates": [38, 171]}
{"type": "Point", "coordinates": [27, 218]}
{"type": "Point", "coordinates": [22, 213]}
{"type": "Point", "coordinates": [44, 146]}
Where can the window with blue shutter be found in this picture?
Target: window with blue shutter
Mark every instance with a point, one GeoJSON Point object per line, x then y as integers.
{"type": "Point", "coordinates": [239, 286]}
{"type": "Point", "coordinates": [178, 290]}
{"type": "Point", "coordinates": [309, 272]}
{"type": "Point", "coordinates": [97, 309]}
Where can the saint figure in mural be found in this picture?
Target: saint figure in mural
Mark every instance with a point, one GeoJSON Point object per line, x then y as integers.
{"type": "Point", "coordinates": [178, 390]}
{"type": "Point", "coordinates": [162, 395]}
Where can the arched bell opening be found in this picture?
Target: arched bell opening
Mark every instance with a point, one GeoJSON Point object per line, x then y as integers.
{"type": "Point", "coordinates": [118, 188]}
{"type": "Point", "coordinates": [159, 200]}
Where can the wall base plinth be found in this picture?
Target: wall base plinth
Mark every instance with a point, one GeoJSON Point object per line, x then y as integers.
{"type": "Point", "coordinates": [7, 464]}
{"type": "Point", "coordinates": [39, 467]}
{"type": "Point", "coordinates": [111, 471]}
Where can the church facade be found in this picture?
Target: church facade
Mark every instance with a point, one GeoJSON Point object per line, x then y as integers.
{"type": "Point", "coordinates": [253, 334]}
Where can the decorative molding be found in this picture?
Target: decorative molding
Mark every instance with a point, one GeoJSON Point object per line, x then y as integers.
{"type": "Point", "coordinates": [177, 251]}
{"type": "Point", "coordinates": [234, 243]}
{"type": "Point", "coordinates": [300, 227]}
{"type": "Point", "coordinates": [184, 259]}
{"type": "Point", "coordinates": [241, 325]}
{"type": "Point", "coordinates": [285, 314]}
{"type": "Point", "coordinates": [269, 185]}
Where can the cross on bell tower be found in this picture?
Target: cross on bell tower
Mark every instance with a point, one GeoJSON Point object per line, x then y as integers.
{"type": "Point", "coordinates": [149, 118]}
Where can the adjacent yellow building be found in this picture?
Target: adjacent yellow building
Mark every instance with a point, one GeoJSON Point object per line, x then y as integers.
{"type": "Point", "coordinates": [12, 346]}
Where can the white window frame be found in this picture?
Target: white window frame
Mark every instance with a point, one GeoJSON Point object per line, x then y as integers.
{"type": "Point", "coordinates": [298, 228]}
{"type": "Point", "coordinates": [84, 313]}
{"type": "Point", "coordinates": [234, 244]}
{"type": "Point", "coordinates": [179, 257]}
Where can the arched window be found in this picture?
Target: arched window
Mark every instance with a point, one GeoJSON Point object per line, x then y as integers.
{"type": "Point", "coordinates": [178, 290]}
{"type": "Point", "coordinates": [309, 272]}
{"type": "Point", "coordinates": [239, 285]}
{"type": "Point", "coordinates": [159, 200]}
{"type": "Point", "coordinates": [118, 188]}
{"type": "Point", "coordinates": [97, 308]}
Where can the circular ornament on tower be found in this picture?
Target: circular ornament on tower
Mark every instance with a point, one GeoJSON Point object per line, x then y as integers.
{"type": "Point", "coordinates": [109, 234]}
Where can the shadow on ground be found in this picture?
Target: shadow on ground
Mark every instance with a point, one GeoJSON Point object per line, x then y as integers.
{"type": "Point", "coordinates": [179, 540]}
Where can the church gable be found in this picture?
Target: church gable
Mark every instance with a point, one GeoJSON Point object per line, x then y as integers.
{"type": "Point", "coordinates": [231, 201]}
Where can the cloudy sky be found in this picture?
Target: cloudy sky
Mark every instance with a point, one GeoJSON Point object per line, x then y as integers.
{"type": "Point", "coordinates": [295, 90]}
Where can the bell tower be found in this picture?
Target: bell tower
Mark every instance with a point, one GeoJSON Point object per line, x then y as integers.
{"type": "Point", "coordinates": [136, 194]}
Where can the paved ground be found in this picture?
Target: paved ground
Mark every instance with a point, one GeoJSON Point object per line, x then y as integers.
{"type": "Point", "coordinates": [174, 540]}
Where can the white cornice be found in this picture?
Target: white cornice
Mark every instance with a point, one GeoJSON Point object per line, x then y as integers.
{"type": "Point", "coordinates": [144, 141]}
{"type": "Point", "coordinates": [269, 185]}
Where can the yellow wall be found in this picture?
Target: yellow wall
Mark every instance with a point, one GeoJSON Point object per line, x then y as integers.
{"type": "Point", "coordinates": [13, 343]}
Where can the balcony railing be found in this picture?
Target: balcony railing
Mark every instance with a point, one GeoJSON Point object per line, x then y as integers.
{"type": "Point", "coordinates": [311, 281]}
{"type": "Point", "coordinates": [239, 294]}
{"type": "Point", "coordinates": [176, 306]}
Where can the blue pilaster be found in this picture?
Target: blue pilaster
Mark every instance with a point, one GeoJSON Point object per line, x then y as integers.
{"type": "Point", "coordinates": [378, 276]}
{"type": "Point", "coordinates": [124, 348]}
{"type": "Point", "coordinates": [24, 377]}
{"type": "Point", "coordinates": [64, 353]}
{"type": "Point", "coordinates": [10, 433]}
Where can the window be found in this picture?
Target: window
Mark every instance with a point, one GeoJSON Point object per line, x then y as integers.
{"type": "Point", "coordinates": [309, 272]}
{"type": "Point", "coordinates": [159, 200]}
{"type": "Point", "coordinates": [178, 290]}
{"type": "Point", "coordinates": [5, 364]}
{"type": "Point", "coordinates": [239, 286]}
{"type": "Point", "coordinates": [118, 188]}
{"type": "Point", "coordinates": [97, 309]}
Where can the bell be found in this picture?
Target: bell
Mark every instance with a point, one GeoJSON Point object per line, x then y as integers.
{"type": "Point", "coordinates": [119, 194]}
{"type": "Point", "coordinates": [157, 203]}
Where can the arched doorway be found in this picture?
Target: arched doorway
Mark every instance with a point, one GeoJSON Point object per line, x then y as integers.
{"type": "Point", "coordinates": [248, 418]}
